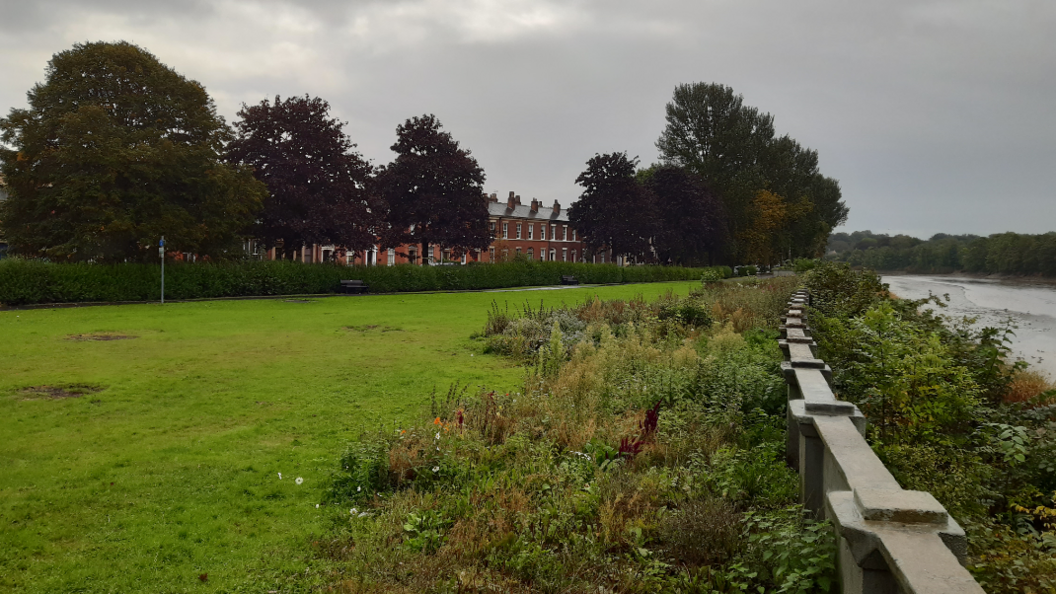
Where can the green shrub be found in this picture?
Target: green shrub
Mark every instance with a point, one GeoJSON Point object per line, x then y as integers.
{"type": "Point", "coordinates": [24, 282]}
{"type": "Point", "coordinates": [802, 265]}
{"type": "Point", "coordinates": [363, 472]}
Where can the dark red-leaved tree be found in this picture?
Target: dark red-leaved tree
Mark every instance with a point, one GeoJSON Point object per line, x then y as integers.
{"type": "Point", "coordinates": [614, 211]}
{"type": "Point", "coordinates": [434, 191]}
{"type": "Point", "coordinates": [692, 223]}
{"type": "Point", "coordinates": [318, 183]}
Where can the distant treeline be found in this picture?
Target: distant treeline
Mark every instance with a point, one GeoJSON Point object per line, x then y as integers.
{"type": "Point", "coordinates": [1003, 253]}
{"type": "Point", "coordinates": [25, 282]}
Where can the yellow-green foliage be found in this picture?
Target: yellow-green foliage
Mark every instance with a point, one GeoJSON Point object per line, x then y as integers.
{"type": "Point", "coordinates": [749, 304]}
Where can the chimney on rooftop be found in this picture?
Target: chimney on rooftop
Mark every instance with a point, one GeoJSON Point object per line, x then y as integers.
{"type": "Point", "coordinates": [557, 207]}
{"type": "Point", "coordinates": [511, 201]}
{"type": "Point", "coordinates": [535, 205]}
{"type": "Point", "coordinates": [492, 197]}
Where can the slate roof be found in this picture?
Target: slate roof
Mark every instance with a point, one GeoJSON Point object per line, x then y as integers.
{"type": "Point", "coordinates": [524, 211]}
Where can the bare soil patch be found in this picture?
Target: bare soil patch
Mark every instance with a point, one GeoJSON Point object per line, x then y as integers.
{"type": "Point", "coordinates": [58, 392]}
{"type": "Point", "coordinates": [369, 327]}
{"type": "Point", "coordinates": [100, 336]}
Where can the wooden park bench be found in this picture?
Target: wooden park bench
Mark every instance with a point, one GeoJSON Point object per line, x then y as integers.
{"type": "Point", "coordinates": [354, 286]}
{"type": "Point", "coordinates": [569, 280]}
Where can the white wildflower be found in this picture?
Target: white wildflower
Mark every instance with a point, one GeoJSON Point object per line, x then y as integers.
{"type": "Point", "coordinates": [358, 489]}
{"type": "Point", "coordinates": [438, 435]}
{"type": "Point", "coordinates": [280, 476]}
{"type": "Point", "coordinates": [436, 469]}
{"type": "Point", "coordinates": [316, 506]}
{"type": "Point", "coordinates": [353, 511]}
{"type": "Point", "coordinates": [299, 480]}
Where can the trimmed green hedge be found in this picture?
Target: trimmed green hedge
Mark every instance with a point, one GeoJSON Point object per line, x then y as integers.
{"type": "Point", "coordinates": [24, 282]}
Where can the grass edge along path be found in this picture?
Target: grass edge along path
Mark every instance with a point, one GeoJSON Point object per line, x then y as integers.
{"type": "Point", "coordinates": [166, 479]}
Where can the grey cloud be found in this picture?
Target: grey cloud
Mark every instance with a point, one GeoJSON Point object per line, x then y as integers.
{"type": "Point", "coordinates": [934, 115]}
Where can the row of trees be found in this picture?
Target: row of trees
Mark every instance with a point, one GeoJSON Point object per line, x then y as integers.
{"type": "Point", "coordinates": [1001, 253]}
{"type": "Point", "coordinates": [777, 203]}
{"type": "Point", "coordinates": [663, 213]}
{"type": "Point", "coordinates": [117, 149]}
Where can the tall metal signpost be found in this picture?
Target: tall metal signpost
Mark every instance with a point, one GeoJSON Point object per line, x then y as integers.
{"type": "Point", "coordinates": [161, 252]}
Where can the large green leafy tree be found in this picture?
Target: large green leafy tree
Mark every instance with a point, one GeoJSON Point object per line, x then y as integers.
{"type": "Point", "coordinates": [316, 181]}
{"type": "Point", "coordinates": [711, 132]}
{"type": "Point", "coordinates": [434, 191]}
{"type": "Point", "coordinates": [116, 150]}
{"type": "Point", "coordinates": [692, 222]}
{"type": "Point", "coordinates": [615, 211]}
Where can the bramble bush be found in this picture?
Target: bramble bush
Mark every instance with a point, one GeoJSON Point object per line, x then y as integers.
{"type": "Point", "coordinates": [642, 455]}
{"type": "Point", "coordinates": [25, 282]}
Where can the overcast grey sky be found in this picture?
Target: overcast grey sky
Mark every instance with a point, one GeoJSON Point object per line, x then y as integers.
{"type": "Point", "coordinates": [934, 115]}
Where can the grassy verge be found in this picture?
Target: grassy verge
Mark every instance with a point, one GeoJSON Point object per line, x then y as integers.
{"type": "Point", "coordinates": [643, 453]}
{"type": "Point", "coordinates": [141, 445]}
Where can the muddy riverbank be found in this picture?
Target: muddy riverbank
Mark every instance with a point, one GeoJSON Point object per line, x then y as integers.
{"type": "Point", "coordinates": [1029, 303]}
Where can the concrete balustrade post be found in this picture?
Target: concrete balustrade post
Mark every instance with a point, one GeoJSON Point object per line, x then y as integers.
{"type": "Point", "coordinates": [891, 541]}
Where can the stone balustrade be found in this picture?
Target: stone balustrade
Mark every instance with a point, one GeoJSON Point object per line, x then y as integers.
{"type": "Point", "coordinates": [890, 540]}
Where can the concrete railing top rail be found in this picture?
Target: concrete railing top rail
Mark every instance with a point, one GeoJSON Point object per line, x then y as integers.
{"type": "Point", "coordinates": [891, 540]}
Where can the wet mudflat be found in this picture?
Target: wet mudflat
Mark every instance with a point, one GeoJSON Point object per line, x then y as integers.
{"type": "Point", "coordinates": [1030, 304]}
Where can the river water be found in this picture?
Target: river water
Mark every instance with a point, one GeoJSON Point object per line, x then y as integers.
{"type": "Point", "coordinates": [1030, 304]}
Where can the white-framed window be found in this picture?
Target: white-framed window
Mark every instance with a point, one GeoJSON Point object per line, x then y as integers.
{"type": "Point", "coordinates": [505, 230]}
{"type": "Point", "coordinates": [505, 255]}
{"type": "Point", "coordinates": [564, 233]}
{"type": "Point", "coordinates": [573, 237]}
{"type": "Point", "coordinates": [542, 232]}
{"type": "Point", "coordinates": [531, 230]}
{"type": "Point", "coordinates": [542, 253]}
{"type": "Point", "coordinates": [518, 250]}
{"type": "Point", "coordinates": [391, 256]}
{"type": "Point", "coordinates": [518, 230]}
{"type": "Point", "coordinates": [573, 255]}
{"type": "Point", "coordinates": [531, 252]}
{"type": "Point", "coordinates": [553, 232]}
{"type": "Point", "coordinates": [491, 254]}
{"type": "Point", "coordinates": [553, 255]}
{"type": "Point", "coordinates": [492, 228]}
{"type": "Point", "coordinates": [602, 257]}
{"type": "Point", "coordinates": [564, 254]}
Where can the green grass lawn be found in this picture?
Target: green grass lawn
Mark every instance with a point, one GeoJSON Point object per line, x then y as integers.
{"type": "Point", "coordinates": [171, 469]}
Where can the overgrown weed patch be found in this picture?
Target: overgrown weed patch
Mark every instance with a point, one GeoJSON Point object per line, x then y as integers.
{"type": "Point", "coordinates": [642, 453]}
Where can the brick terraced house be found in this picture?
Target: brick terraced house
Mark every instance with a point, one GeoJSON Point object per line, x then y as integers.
{"type": "Point", "coordinates": [531, 230]}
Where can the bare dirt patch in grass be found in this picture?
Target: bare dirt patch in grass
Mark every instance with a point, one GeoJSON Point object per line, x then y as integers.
{"type": "Point", "coordinates": [100, 336]}
{"type": "Point", "coordinates": [371, 327]}
{"type": "Point", "coordinates": [58, 392]}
